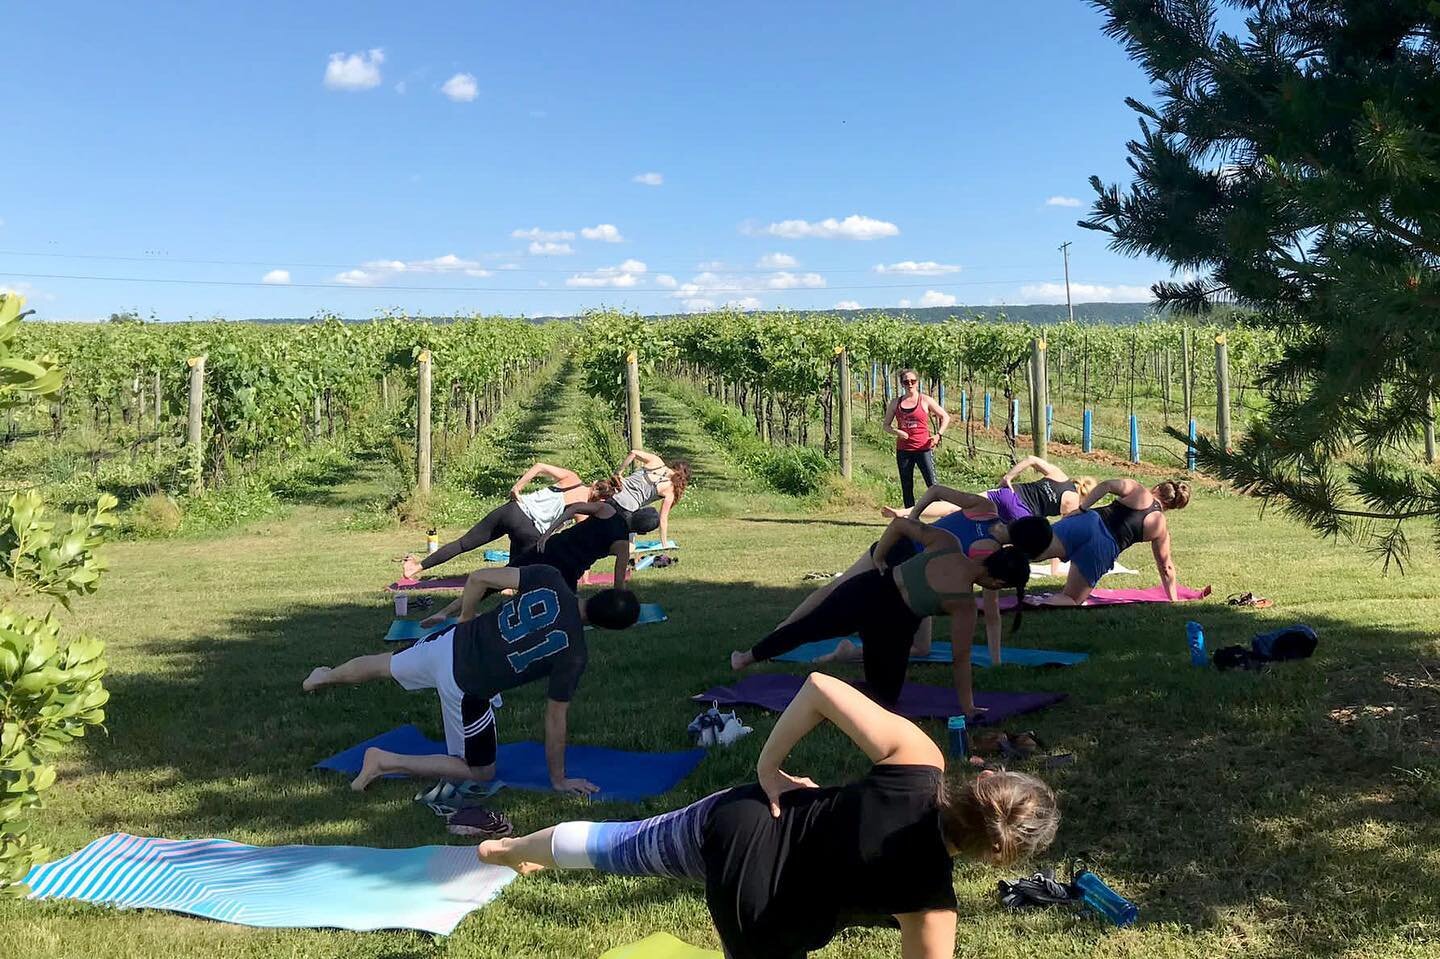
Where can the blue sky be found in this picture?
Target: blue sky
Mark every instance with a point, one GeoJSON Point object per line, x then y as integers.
{"type": "Point", "coordinates": [276, 159]}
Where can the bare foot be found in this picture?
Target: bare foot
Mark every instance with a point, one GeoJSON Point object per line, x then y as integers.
{"type": "Point", "coordinates": [411, 568]}
{"type": "Point", "coordinates": [741, 659]}
{"type": "Point", "coordinates": [370, 770]}
{"type": "Point", "coordinates": [317, 678]}
{"type": "Point", "coordinates": [890, 512]}
{"type": "Point", "coordinates": [845, 652]}
{"type": "Point", "coordinates": [501, 852]}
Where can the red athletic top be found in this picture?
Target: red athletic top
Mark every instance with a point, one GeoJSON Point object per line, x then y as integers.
{"type": "Point", "coordinates": [916, 422]}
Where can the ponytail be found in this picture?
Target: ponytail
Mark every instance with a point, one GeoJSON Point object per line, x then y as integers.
{"type": "Point", "coordinates": [1011, 567]}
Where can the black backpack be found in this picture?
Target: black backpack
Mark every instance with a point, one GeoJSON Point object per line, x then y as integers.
{"type": "Point", "coordinates": [1292, 642]}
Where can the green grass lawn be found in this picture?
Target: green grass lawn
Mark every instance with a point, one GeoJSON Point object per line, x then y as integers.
{"type": "Point", "coordinates": [1241, 816]}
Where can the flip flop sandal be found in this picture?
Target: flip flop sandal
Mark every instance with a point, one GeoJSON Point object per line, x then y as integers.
{"type": "Point", "coordinates": [1250, 600]}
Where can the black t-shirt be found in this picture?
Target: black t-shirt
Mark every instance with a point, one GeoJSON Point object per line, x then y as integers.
{"type": "Point", "coordinates": [537, 632]}
{"type": "Point", "coordinates": [842, 856]}
{"type": "Point", "coordinates": [574, 550]}
{"type": "Point", "coordinates": [1042, 497]}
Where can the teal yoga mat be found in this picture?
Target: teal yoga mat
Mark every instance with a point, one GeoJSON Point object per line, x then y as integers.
{"type": "Point", "coordinates": [941, 652]}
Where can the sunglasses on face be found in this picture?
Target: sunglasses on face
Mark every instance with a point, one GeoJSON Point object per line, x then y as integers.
{"type": "Point", "coordinates": [909, 382]}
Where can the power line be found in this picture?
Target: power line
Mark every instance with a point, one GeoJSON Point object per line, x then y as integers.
{"type": "Point", "coordinates": [719, 271]}
{"type": "Point", "coordinates": [362, 288]}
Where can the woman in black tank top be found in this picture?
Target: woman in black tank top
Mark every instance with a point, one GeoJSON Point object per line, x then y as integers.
{"type": "Point", "coordinates": [786, 865]}
{"type": "Point", "coordinates": [1136, 515]}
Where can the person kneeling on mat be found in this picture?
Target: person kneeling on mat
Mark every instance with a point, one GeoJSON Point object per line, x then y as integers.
{"type": "Point", "coordinates": [537, 633]}
{"type": "Point", "coordinates": [786, 864]}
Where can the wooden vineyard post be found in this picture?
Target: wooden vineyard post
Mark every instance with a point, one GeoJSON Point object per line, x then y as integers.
{"type": "Point", "coordinates": [1185, 373]}
{"type": "Point", "coordinates": [1038, 399]}
{"type": "Point", "coordinates": [157, 411]}
{"type": "Point", "coordinates": [632, 398]}
{"type": "Point", "coordinates": [846, 450]}
{"type": "Point", "coordinates": [193, 440]}
{"type": "Point", "coordinates": [1222, 391]}
{"type": "Point", "coordinates": [422, 427]}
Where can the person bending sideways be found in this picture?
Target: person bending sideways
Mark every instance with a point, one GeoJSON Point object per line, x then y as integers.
{"type": "Point", "coordinates": [1054, 494]}
{"type": "Point", "coordinates": [1092, 539]}
{"type": "Point", "coordinates": [651, 480]}
{"type": "Point", "coordinates": [978, 541]}
{"type": "Point", "coordinates": [886, 606]}
{"type": "Point", "coordinates": [521, 519]}
{"type": "Point", "coordinates": [787, 864]}
{"type": "Point", "coordinates": [572, 551]}
{"type": "Point", "coordinates": [536, 634]}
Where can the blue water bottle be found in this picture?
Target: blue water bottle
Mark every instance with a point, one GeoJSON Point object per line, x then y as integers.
{"type": "Point", "coordinates": [959, 738]}
{"type": "Point", "coordinates": [1195, 633]}
{"type": "Point", "coordinates": [1104, 900]}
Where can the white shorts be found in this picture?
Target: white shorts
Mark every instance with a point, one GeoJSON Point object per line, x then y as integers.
{"type": "Point", "coordinates": [469, 720]}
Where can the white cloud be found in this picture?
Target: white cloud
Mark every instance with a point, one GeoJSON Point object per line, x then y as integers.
{"type": "Point", "coordinates": [625, 275]}
{"type": "Point", "coordinates": [1085, 293]}
{"type": "Point", "coordinates": [358, 71]}
{"type": "Point", "coordinates": [776, 261]}
{"type": "Point", "coordinates": [277, 277]}
{"type": "Point", "coordinates": [535, 233]}
{"type": "Point", "coordinates": [666, 280]}
{"type": "Point", "coordinates": [604, 232]}
{"type": "Point", "coordinates": [792, 281]}
{"type": "Point", "coordinates": [744, 303]}
{"type": "Point", "coordinates": [903, 304]}
{"type": "Point", "coordinates": [853, 227]}
{"type": "Point", "coordinates": [848, 305]}
{"type": "Point", "coordinates": [550, 248]}
{"type": "Point", "coordinates": [936, 298]}
{"type": "Point", "coordinates": [378, 271]}
{"type": "Point", "coordinates": [648, 179]}
{"type": "Point", "coordinates": [922, 268]}
{"type": "Point", "coordinates": [1062, 201]}
{"type": "Point", "coordinates": [710, 265]}
{"type": "Point", "coordinates": [699, 305]}
{"type": "Point", "coordinates": [461, 88]}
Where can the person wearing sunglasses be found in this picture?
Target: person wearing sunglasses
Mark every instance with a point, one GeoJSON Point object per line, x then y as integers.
{"type": "Point", "coordinates": [908, 417]}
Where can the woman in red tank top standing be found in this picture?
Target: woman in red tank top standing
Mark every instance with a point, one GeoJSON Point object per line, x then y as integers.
{"type": "Point", "coordinates": [908, 417]}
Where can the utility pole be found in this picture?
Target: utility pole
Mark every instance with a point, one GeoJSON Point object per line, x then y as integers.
{"type": "Point", "coordinates": [1065, 252]}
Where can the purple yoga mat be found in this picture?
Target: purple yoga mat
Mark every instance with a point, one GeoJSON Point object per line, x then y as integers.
{"type": "Point", "coordinates": [1112, 597]}
{"type": "Point", "coordinates": [917, 700]}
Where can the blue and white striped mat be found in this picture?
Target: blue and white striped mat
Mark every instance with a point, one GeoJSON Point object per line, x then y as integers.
{"type": "Point", "coordinates": [430, 888]}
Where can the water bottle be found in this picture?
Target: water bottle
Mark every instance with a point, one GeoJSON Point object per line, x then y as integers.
{"type": "Point", "coordinates": [959, 738]}
{"type": "Point", "coordinates": [432, 542]}
{"type": "Point", "coordinates": [1104, 900]}
{"type": "Point", "coordinates": [1195, 633]}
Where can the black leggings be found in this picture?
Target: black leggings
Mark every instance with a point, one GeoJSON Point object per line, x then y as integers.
{"type": "Point", "coordinates": [869, 604]}
{"type": "Point", "coordinates": [508, 520]}
{"type": "Point", "coordinates": [907, 460]}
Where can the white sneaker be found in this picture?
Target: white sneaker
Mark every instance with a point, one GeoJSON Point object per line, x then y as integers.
{"type": "Point", "coordinates": [733, 730]}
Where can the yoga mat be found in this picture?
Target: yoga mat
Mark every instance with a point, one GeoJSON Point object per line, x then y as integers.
{"type": "Point", "coordinates": [917, 700]}
{"type": "Point", "coordinates": [621, 775]}
{"type": "Point", "coordinates": [497, 556]}
{"type": "Point", "coordinates": [1111, 597]}
{"type": "Point", "coordinates": [430, 888]}
{"type": "Point", "coordinates": [434, 584]}
{"type": "Point", "coordinates": [653, 546]}
{"type": "Point", "coordinates": [661, 945]}
{"type": "Point", "coordinates": [940, 652]}
{"type": "Point", "coordinates": [402, 630]}
{"type": "Point", "coordinates": [1043, 569]}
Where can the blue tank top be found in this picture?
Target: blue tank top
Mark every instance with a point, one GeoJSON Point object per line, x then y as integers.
{"type": "Point", "coordinates": [968, 531]}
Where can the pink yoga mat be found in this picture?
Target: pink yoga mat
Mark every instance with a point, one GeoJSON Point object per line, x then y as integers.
{"type": "Point", "coordinates": [1112, 597]}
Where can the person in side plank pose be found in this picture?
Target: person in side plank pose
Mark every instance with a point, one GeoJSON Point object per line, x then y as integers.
{"type": "Point", "coordinates": [787, 864]}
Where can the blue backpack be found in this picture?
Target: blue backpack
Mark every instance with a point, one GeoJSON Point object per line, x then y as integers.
{"type": "Point", "coordinates": [1292, 642]}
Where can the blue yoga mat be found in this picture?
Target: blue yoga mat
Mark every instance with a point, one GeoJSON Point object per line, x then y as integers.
{"type": "Point", "coordinates": [941, 652]}
{"type": "Point", "coordinates": [430, 888]}
{"type": "Point", "coordinates": [497, 556]}
{"type": "Point", "coordinates": [654, 545]}
{"type": "Point", "coordinates": [621, 775]}
{"type": "Point", "coordinates": [402, 630]}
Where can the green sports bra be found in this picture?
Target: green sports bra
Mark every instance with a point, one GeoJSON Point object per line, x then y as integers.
{"type": "Point", "coordinates": [925, 600]}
